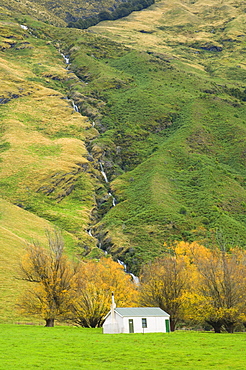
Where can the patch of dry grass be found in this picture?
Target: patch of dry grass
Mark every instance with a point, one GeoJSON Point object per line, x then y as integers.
{"type": "Point", "coordinates": [17, 228]}
{"type": "Point", "coordinates": [44, 166]}
{"type": "Point", "coordinates": [181, 28]}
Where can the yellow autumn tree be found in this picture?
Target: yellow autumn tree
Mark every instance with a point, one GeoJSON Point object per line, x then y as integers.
{"type": "Point", "coordinates": [164, 283]}
{"type": "Point", "coordinates": [96, 280]}
{"type": "Point", "coordinates": [196, 284]}
{"type": "Point", "coordinates": [217, 293]}
{"type": "Point", "coordinates": [222, 284]}
{"type": "Point", "coordinates": [51, 277]}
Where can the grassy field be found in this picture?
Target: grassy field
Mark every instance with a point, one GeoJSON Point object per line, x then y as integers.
{"type": "Point", "coordinates": [70, 348]}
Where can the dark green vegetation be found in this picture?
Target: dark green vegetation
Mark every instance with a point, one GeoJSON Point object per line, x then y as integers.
{"type": "Point", "coordinates": [121, 10]}
{"type": "Point", "coordinates": [75, 348]}
{"type": "Point", "coordinates": [162, 94]}
{"type": "Point", "coordinates": [79, 13]}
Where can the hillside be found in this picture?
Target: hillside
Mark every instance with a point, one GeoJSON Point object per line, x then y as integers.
{"type": "Point", "coordinates": [64, 12]}
{"type": "Point", "coordinates": [155, 101]}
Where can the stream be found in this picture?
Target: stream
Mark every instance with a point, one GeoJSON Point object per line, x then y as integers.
{"type": "Point", "coordinates": [104, 175]}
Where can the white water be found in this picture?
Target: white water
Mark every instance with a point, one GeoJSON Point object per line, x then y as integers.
{"type": "Point", "coordinates": [67, 61]}
{"type": "Point", "coordinates": [103, 172]}
{"type": "Point", "coordinates": [113, 199]}
{"type": "Point", "coordinates": [106, 180]}
{"type": "Point", "coordinates": [90, 233]}
{"type": "Point", "coordinates": [75, 107]}
{"type": "Point", "coordinates": [134, 278]}
{"type": "Point", "coordinates": [24, 27]}
{"type": "Point", "coordinates": [122, 264]}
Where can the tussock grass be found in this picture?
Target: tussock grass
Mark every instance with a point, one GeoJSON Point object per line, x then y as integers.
{"type": "Point", "coordinates": [17, 228]}
{"type": "Point", "coordinates": [43, 154]}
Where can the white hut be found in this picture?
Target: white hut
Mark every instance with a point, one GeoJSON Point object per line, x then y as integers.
{"type": "Point", "coordinates": [136, 320]}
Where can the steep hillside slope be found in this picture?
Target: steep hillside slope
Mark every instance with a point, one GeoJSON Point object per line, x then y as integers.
{"type": "Point", "coordinates": [127, 135]}
{"type": "Point", "coordinates": [186, 109]}
{"type": "Point", "coordinates": [63, 12]}
{"type": "Point", "coordinates": [43, 153]}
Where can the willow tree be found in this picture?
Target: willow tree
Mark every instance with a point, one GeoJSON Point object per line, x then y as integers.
{"type": "Point", "coordinates": [163, 283]}
{"type": "Point", "coordinates": [217, 293]}
{"type": "Point", "coordinates": [51, 278]}
{"type": "Point", "coordinates": [222, 284]}
{"type": "Point", "coordinates": [95, 281]}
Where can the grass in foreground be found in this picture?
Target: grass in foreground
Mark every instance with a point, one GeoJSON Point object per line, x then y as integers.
{"type": "Point", "coordinates": [29, 347]}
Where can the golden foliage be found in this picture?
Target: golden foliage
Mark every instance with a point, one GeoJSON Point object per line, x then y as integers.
{"type": "Point", "coordinates": [197, 284]}
{"type": "Point", "coordinates": [164, 284]}
{"type": "Point", "coordinates": [52, 275]}
{"type": "Point", "coordinates": [96, 281]}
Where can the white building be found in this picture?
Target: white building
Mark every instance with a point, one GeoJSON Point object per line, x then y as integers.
{"type": "Point", "coordinates": [136, 320]}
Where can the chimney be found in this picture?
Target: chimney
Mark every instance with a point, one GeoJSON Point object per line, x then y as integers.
{"type": "Point", "coordinates": [113, 306]}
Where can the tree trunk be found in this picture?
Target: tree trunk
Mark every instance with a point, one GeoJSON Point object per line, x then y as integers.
{"type": "Point", "coordinates": [50, 323]}
{"type": "Point", "coordinates": [230, 326]}
{"type": "Point", "coordinates": [216, 325]}
{"type": "Point", "coordinates": [172, 325]}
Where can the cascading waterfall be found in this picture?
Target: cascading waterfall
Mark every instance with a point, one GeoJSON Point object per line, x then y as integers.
{"type": "Point", "coordinates": [66, 58]}
{"type": "Point", "coordinates": [134, 277]}
{"type": "Point", "coordinates": [113, 199]}
{"type": "Point", "coordinates": [103, 172]}
{"type": "Point", "coordinates": [75, 107]}
{"type": "Point", "coordinates": [89, 231]}
{"type": "Point", "coordinates": [106, 180]}
{"type": "Point", "coordinates": [122, 264]}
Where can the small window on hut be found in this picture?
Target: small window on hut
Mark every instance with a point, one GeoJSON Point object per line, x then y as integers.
{"type": "Point", "coordinates": [144, 323]}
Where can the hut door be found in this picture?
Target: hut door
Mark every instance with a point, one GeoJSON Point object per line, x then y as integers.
{"type": "Point", "coordinates": [167, 326]}
{"type": "Point", "coordinates": [131, 327]}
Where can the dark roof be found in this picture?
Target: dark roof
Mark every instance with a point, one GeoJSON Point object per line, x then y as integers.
{"type": "Point", "coordinates": [141, 311]}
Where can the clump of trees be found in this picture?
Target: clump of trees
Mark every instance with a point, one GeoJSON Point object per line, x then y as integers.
{"type": "Point", "coordinates": [95, 281]}
{"type": "Point", "coordinates": [163, 284]}
{"type": "Point", "coordinates": [194, 284]}
{"type": "Point", "coordinates": [197, 285]}
{"type": "Point", "coordinates": [62, 290]}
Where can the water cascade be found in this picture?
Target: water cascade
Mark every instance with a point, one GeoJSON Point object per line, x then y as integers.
{"type": "Point", "coordinates": [134, 278]}
{"type": "Point", "coordinates": [106, 180]}
{"type": "Point", "coordinates": [103, 172]}
{"type": "Point", "coordinates": [113, 199]}
{"type": "Point", "coordinates": [66, 58]}
{"type": "Point", "coordinates": [90, 233]}
{"type": "Point", "coordinates": [75, 107]}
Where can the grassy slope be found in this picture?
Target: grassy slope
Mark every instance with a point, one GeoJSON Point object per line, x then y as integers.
{"type": "Point", "coordinates": [172, 123]}
{"type": "Point", "coordinates": [44, 157]}
{"type": "Point", "coordinates": [193, 185]}
{"type": "Point", "coordinates": [17, 227]}
{"type": "Point", "coordinates": [45, 172]}
{"type": "Point", "coordinates": [75, 348]}
{"type": "Point", "coordinates": [60, 12]}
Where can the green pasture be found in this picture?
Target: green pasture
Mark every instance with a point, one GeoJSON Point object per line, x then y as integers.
{"type": "Point", "coordinates": [71, 348]}
{"type": "Point", "coordinates": [161, 96]}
